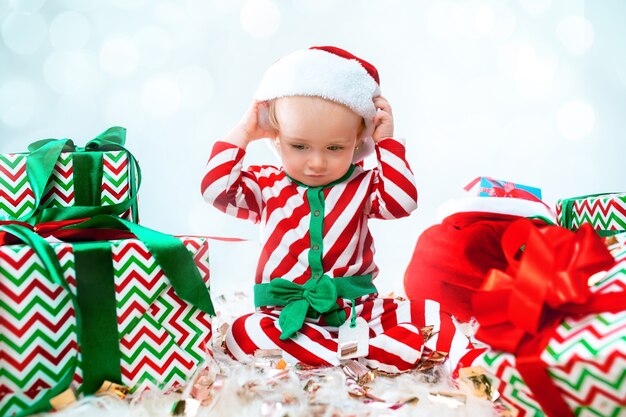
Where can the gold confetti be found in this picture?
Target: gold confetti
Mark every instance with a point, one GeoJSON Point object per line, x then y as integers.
{"type": "Point", "coordinates": [64, 399]}
{"type": "Point", "coordinates": [476, 379]}
{"type": "Point", "coordinates": [113, 389]}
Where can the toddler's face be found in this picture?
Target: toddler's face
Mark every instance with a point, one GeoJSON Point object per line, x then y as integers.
{"type": "Point", "coordinates": [316, 138]}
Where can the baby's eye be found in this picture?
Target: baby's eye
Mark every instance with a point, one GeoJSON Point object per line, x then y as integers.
{"type": "Point", "coordinates": [334, 148]}
{"type": "Point", "coordinates": [298, 146]}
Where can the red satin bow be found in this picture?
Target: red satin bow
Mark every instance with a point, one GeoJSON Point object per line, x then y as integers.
{"type": "Point", "coordinates": [547, 280]}
{"type": "Point", "coordinates": [544, 283]}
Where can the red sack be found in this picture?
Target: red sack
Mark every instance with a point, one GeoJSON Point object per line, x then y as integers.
{"type": "Point", "coordinates": [452, 259]}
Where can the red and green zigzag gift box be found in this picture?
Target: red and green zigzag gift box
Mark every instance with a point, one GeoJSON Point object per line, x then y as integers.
{"type": "Point", "coordinates": [132, 311]}
{"type": "Point", "coordinates": [57, 180]}
{"type": "Point", "coordinates": [575, 366]}
{"type": "Point", "coordinates": [605, 212]}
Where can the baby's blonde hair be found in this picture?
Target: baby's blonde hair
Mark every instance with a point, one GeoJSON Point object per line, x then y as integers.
{"type": "Point", "coordinates": [273, 119]}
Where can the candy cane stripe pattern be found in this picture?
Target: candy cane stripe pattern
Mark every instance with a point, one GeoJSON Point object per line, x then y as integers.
{"type": "Point", "coordinates": [396, 345]}
{"type": "Point", "coordinates": [266, 195]}
{"type": "Point", "coordinates": [289, 218]}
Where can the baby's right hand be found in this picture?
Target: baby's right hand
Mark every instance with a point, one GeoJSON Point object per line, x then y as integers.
{"type": "Point", "coordinates": [253, 125]}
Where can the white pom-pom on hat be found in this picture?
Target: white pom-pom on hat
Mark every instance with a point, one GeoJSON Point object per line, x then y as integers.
{"type": "Point", "coordinates": [330, 73]}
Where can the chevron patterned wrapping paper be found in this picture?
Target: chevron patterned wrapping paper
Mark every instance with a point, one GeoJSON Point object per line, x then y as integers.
{"type": "Point", "coordinates": [16, 195]}
{"type": "Point", "coordinates": [603, 211]}
{"type": "Point", "coordinates": [162, 339]}
{"type": "Point", "coordinates": [586, 359]}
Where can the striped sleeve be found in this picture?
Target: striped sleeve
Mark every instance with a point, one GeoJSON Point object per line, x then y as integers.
{"type": "Point", "coordinates": [394, 194]}
{"type": "Point", "coordinates": [228, 187]}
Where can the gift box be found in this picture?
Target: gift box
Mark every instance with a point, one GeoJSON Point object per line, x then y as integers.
{"type": "Point", "coordinates": [58, 180]}
{"type": "Point", "coordinates": [575, 362]}
{"type": "Point", "coordinates": [490, 187]}
{"type": "Point", "coordinates": [605, 212]}
{"type": "Point", "coordinates": [118, 315]}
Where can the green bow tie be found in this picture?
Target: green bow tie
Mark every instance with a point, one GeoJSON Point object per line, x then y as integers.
{"type": "Point", "coordinates": [318, 296]}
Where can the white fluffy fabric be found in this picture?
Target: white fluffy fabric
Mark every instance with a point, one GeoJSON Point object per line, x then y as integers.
{"type": "Point", "coordinates": [500, 205]}
{"type": "Point", "coordinates": [313, 72]}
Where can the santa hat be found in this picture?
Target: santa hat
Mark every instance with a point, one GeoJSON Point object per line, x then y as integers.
{"type": "Point", "coordinates": [330, 73]}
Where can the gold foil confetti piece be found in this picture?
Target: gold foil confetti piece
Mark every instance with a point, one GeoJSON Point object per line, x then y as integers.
{"type": "Point", "coordinates": [113, 389]}
{"type": "Point", "coordinates": [475, 378]}
{"type": "Point", "coordinates": [359, 372]}
{"type": "Point", "coordinates": [64, 399]}
{"type": "Point", "coordinates": [427, 332]}
{"type": "Point", "coordinates": [378, 372]}
{"type": "Point", "coordinates": [433, 359]}
{"type": "Point", "coordinates": [450, 399]}
{"type": "Point", "coordinates": [187, 408]}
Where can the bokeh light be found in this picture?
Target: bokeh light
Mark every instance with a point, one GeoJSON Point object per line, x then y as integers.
{"type": "Point", "coordinates": [28, 6]}
{"type": "Point", "coordinates": [446, 19]}
{"type": "Point", "coordinates": [576, 119]}
{"type": "Point", "coordinates": [130, 4]}
{"type": "Point", "coordinates": [535, 6]}
{"type": "Point", "coordinates": [484, 20]}
{"type": "Point", "coordinates": [260, 18]}
{"type": "Point", "coordinates": [118, 56]}
{"type": "Point", "coordinates": [69, 72]}
{"type": "Point", "coordinates": [18, 100]}
{"type": "Point", "coordinates": [69, 31]}
{"type": "Point", "coordinates": [122, 107]}
{"type": "Point", "coordinates": [160, 96]}
{"type": "Point", "coordinates": [24, 33]}
{"type": "Point", "coordinates": [505, 21]}
{"type": "Point", "coordinates": [170, 13]}
{"type": "Point", "coordinates": [154, 45]}
{"type": "Point", "coordinates": [576, 34]}
{"type": "Point", "coordinates": [196, 86]}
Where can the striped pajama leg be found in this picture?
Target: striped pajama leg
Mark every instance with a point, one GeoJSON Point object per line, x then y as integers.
{"type": "Point", "coordinates": [396, 342]}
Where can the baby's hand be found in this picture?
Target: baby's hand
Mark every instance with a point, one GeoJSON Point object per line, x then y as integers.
{"type": "Point", "coordinates": [383, 121]}
{"type": "Point", "coordinates": [253, 125]}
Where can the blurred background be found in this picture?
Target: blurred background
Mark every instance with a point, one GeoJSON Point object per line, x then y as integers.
{"type": "Point", "coordinates": [532, 91]}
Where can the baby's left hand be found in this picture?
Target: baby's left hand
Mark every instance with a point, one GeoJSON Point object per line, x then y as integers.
{"type": "Point", "coordinates": [383, 121]}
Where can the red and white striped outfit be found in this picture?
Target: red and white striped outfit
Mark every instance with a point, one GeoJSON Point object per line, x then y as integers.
{"type": "Point", "coordinates": [267, 195]}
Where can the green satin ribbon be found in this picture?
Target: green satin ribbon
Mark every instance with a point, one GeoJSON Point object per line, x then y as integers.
{"type": "Point", "coordinates": [173, 257]}
{"type": "Point", "coordinates": [95, 304]}
{"type": "Point", "coordinates": [87, 163]}
{"type": "Point", "coordinates": [95, 292]}
{"type": "Point", "coordinates": [317, 296]}
{"type": "Point", "coordinates": [567, 213]}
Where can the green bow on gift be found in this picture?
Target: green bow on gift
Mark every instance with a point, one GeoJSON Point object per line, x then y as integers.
{"type": "Point", "coordinates": [87, 165]}
{"type": "Point", "coordinates": [317, 296]}
{"type": "Point", "coordinates": [94, 303]}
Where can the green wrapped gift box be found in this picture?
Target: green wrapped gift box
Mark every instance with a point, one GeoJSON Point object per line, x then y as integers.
{"type": "Point", "coordinates": [57, 180]}
{"type": "Point", "coordinates": [605, 212]}
{"type": "Point", "coordinates": [132, 311]}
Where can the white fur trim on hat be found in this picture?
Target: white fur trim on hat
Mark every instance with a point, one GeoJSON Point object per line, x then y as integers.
{"type": "Point", "coordinates": [314, 72]}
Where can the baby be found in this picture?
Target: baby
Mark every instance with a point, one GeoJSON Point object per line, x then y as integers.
{"type": "Point", "coordinates": [314, 291]}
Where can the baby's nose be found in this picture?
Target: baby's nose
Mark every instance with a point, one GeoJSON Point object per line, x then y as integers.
{"type": "Point", "coordinates": [317, 160]}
